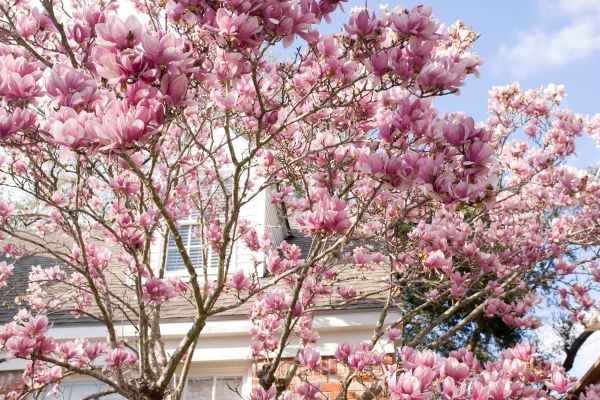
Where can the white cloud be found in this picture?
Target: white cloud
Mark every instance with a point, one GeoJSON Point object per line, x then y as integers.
{"type": "Point", "coordinates": [543, 49]}
{"type": "Point", "coordinates": [571, 7]}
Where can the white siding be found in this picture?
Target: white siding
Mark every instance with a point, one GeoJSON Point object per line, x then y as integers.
{"type": "Point", "coordinates": [273, 221]}
{"type": "Point", "coordinates": [253, 211]}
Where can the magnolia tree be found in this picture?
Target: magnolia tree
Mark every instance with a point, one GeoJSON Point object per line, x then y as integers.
{"type": "Point", "coordinates": [113, 130]}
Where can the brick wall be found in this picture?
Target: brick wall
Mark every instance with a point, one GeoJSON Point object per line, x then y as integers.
{"type": "Point", "coordinates": [330, 377]}
{"type": "Point", "coordinates": [9, 381]}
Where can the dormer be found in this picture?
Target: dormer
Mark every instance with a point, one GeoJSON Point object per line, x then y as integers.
{"type": "Point", "coordinates": [263, 215]}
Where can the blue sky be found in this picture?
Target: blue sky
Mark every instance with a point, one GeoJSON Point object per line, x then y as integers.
{"type": "Point", "coordinates": [535, 42]}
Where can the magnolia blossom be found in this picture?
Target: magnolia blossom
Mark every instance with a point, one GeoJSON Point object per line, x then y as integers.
{"type": "Point", "coordinates": [329, 216]}
{"type": "Point", "coordinates": [309, 357]}
{"type": "Point", "coordinates": [239, 281]}
{"type": "Point", "coordinates": [118, 34]}
{"type": "Point", "coordinates": [157, 291]}
{"type": "Point", "coordinates": [283, 189]}
{"type": "Point", "coordinates": [5, 271]}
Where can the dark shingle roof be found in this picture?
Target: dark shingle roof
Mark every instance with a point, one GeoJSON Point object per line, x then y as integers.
{"type": "Point", "coordinates": [181, 309]}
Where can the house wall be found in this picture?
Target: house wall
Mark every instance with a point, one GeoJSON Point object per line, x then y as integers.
{"type": "Point", "coordinates": [9, 381]}
{"type": "Point", "coordinates": [273, 220]}
{"type": "Point", "coordinates": [223, 347]}
{"type": "Point", "coordinates": [329, 378]}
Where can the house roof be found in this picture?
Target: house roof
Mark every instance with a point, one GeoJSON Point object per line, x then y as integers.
{"type": "Point", "coordinates": [591, 377]}
{"type": "Point", "coordinates": [180, 308]}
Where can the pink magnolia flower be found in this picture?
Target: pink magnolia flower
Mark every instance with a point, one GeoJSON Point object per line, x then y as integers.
{"type": "Point", "coordinates": [559, 382]}
{"type": "Point", "coordinates": [438, 260]}
{"type": "Point", "coordinates": [425, 358]}
{"type": "Point", "coordinates": [213, 235]}
{"type": "Point", "coordinates": [70, 87]}
{"type": "Point", "coordinates": [454, 369]}
{"type": "Point", "coordinates": [360, 359]}
{"type": "Point", "coordinates": [157, 291]}
{"type": "Point", "coordinates": [239, 281]}
{"type": "Point", "coordinates": [290, 251]}
{"type": "Point", "coordinates": [74, 131]}
{"type": "Point", "coordinates": [80, 32]}
{"type": "Point", "coordinates": [36, 326]}
{"type": "Point", "coordinates": [343, 351]}
{"type": "Point", "coordinates": [227, 101]}
{"type": "Point", "coordinates": [229, 65]}
{"type": "Point", "coordinates": [309, 391]}
{"type": "Point", "coordinates": [499, 390]}
{"type": "Point", "coordinates": [118, 359]}
{"type": "Point", "coordinates": [177, 284]}
{"type": "Point", "coordinates": [241, 29]}
{"type": "Point", "coordinates": [328, 47]}
{"type": "Point", "coordinates": [20, 346]}
{"type": "Point", "coordinates": [451, 391]}
{"type": "Point", "coordinates": [262, 394]}
{"type": "Point", "coordinates": [124, 124]}
{"type": "Point", "coordinates": [119, 34]}
{"type": "Point", "coordinates": [459, 130]}
{"type": "Point", "coordinates": [380, 165]}
{"type": "Point", "coordinates": [5, 272]}
{"type": "Point", "coordinates": [329, 216]}
{"type": "Point", "coordinates": [166, 51]}
{"type": "Point", "coordinates": [405, 386]}
{"type": "Point", "coordinates": [124, 66]}
{"type": "Point", "coordinates": [174, 88]}
{"type": "Point", "coordinates": [478, 392]}
{"type": "Point", "coordinates": [347, 292]}
{"type": "Point", "coordinates": [18, 119]}
{"type": "Point", "coordinates": [438, 75]}
{"type": "Point", "coordinates": [5, 210]}
{"type": "Point", "coordinates": [478, 153]}
{"type": "Point", "coordinates": [94, 350]}
{"type": "Point", "coordinates": [361, 24]}
{"type": "Point", "coordinates": [309, 357]}
{"type": "Point", "coordinates": [416, 22]}
{"type": "Point", "coordinates": [288, 20]}
{"type": "Point", "coordinates": [70, 350]}
{"type": "Point", "coordinates": [592, 392]}
{"type": "Point", "coordinates": [392, 334]}
{"type": "Point", "coordinates": [379, 63]}
{"type": "Point", "coordinates": [19, 78]}
{"type": "Point", "coordinates": [26, 25]}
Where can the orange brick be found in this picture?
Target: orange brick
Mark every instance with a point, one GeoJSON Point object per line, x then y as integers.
{"type": "Point", "coordinates": [333, 367]}
{"type": "Point", "coordinates": [330, 387]}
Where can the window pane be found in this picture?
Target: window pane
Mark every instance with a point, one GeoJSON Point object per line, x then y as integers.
{"type": "Point", "coordinates": [174, 260]}
{"type": "Point", "coordinates": [226, 388]}
{"type": "Point", "coordinates": [195, 254]}
{"type": "Point", "coordinates": [199, 389]}
{"type": "Point", "coordinates": [80, 390]}
{"type": "Point", "coordinates": [213, 257]}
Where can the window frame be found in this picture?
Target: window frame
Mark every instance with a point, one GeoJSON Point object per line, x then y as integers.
{"type": "Point", "coordinates": [71, 384]}
{"type": "Point", "coordinates": [224, 368]}
{"type": "Point", "coordinates": [187, 395]}
{"type": "Point", "coordinates": [190, 222]}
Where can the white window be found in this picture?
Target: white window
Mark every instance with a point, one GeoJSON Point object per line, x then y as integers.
{"type": "Point", "coordinates": [214, 388]}
{"type": "Point", "coordinates": [77, 390]}
{"type": "Point", "coordinates": [188, 231]}
{"type": "Point", "coordinates": [189, 237]}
